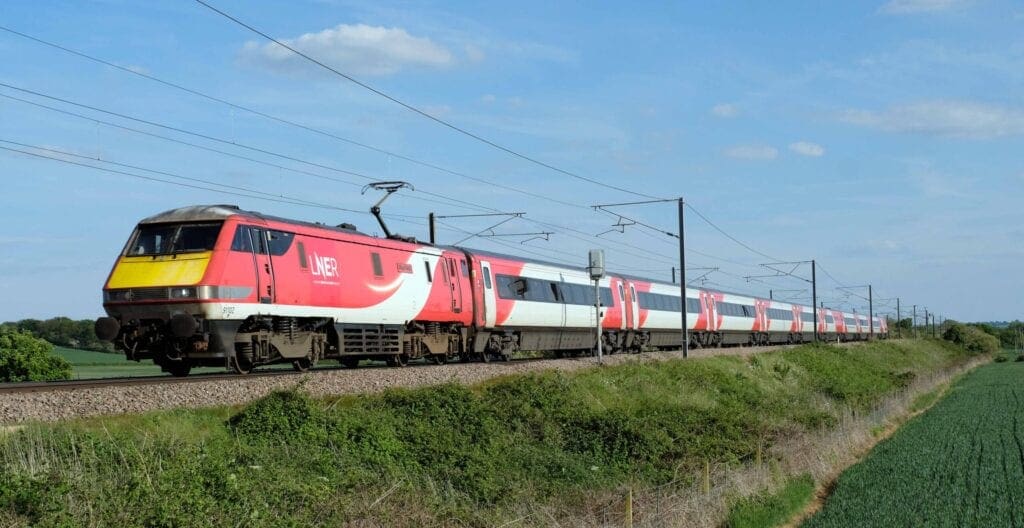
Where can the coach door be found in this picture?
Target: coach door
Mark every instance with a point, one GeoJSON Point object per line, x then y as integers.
{"type": "Point", "coordinates": [254, 240]}
{"type": "Point", "coordinates": [622, 307]}
{"type": "Point", "coordinates": [490, 305]}
{"type": "Point", "coordinates": [711, 309]}
{"type": "Point", "coordinates": [635, 305]}
{"type": "Point", "coordinates": [455, 283]}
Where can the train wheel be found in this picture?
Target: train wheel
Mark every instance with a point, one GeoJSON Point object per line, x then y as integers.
{"type": "Point", "coordinates": [302, 365]}
{"type": "Point", "coordinates": [398, 360]}
{"type": "Point", "coordinates": [178, 369]}
{"type": "Point", "coordinates": [349, 362]}
{"type": "Point", "coordinates": [439, 359]}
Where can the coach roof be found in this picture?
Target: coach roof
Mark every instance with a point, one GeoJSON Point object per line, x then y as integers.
{"type": "Point", "coordinates": [220, 212]}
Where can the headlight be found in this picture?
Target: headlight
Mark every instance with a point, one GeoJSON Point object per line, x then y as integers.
{"type": "Point", "coordinates": [124, 295]}
{"type": "Point", "coordinates": [183, 293]}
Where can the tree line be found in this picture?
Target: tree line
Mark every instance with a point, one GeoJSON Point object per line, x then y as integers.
{"type": "Point", "coordinates": [62, 331]}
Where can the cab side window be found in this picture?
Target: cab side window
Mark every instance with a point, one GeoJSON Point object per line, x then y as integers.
{"type": "Point", "coordinates": [242, 240]}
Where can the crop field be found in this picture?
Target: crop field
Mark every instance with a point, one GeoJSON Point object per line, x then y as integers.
{"type": "Point", "coordinates": [959, 464]}
{"type": "Point", "coordinates": [87, 364]}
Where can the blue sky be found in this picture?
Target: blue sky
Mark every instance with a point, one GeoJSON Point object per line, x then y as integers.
{"type": "Point", "coordinates": [881, 138]}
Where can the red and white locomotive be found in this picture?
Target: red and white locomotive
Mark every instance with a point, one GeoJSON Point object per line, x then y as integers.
{"type": "Point", "coordinates": [218, 286]}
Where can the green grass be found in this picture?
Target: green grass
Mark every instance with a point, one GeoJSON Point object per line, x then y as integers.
{"type": "Point", "coordinates": [468, 456]}
{"type": "Point", "coordinates": [959, 464]}
{"type": "Point", "coordinates": [88, 364]}
{"type": "Point", "coordinates": [773, 509]}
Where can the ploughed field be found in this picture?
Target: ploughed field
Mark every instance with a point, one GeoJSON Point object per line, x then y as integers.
{"type": "Point", "coordinates": [959, 464]}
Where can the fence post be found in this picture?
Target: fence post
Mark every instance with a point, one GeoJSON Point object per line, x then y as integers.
{"type": "Point", "coordinates": [629, 508]}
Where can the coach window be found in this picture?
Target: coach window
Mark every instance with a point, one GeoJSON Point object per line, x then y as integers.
{"type": "Point", "coordinates": [280, 241]}
{"type": "Point", "coordinates": [378, 268]}
{"type": "Point", "coordinates": [622, 293]}
{"type": "Point", "coordinates": [303, 263]}
{"type": "Point", "coordinates": [430, 277]}
{"type": "Point", "coordinates": [465, 268]}
{"type": "Point", "coordinates": [242, 240]}
{"type": "Point", "coordinates": [487, 277]}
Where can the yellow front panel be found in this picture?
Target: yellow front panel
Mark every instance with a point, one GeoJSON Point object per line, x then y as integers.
{"type": "Point", "coordinates": [163, 270]}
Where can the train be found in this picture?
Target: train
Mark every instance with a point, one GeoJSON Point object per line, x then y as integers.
{"type": "Point", "coordinates": [214, 285]}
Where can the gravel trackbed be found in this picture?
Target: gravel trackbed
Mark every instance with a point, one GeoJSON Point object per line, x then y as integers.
{"type": "Point", "coordinates": [49, 406]}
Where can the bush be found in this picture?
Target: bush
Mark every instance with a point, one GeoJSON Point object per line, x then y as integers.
{"type": "Point", "coordinates": [278, 418]}
{"type": "Point", "coordinates": [26, 358]}
{"type": "Point", "coordinates": [971, 339]}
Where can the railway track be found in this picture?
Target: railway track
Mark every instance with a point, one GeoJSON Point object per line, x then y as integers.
{"type": "Point", "coordinates": [67, 385]}
{"type": "Point", "coordinates": [64, 385]}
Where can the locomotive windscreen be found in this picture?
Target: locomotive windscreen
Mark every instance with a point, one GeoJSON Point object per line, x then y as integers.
{"type": "Point", "coordinates": [166, 239]}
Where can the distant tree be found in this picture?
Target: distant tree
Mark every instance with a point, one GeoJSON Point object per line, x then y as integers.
{"type": "Point", "coordinates": [1012, 335]}
{"type": "Point", "coordinates": [24, 357]}
{"type": "Point", "coordinates": [973, 339]}
{"type": "Point", "coordinates": [987, 328]}
{"type": "Point", "coordinates": [905, 324]}
{"type": "Point", "coordinates": [63, 331]}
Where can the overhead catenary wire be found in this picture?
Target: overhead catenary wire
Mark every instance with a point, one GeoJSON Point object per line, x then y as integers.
{"type": "Point", "coordinates": [416, 110]}
{"type": "Point", "coordinates": [727, 235]}
{"type": "Point", "coordinates": [350, 141]}
{"type": "Point", "coordinates": [380, 150]}
{"type": "Point", "coordinates": [252, 148]}
{"type": "Point", "coordinates": [207, 185]}
{"type": "Point", "coordinates": [285, 121]}
{"type": "Point", "coordinates": [207, 137]}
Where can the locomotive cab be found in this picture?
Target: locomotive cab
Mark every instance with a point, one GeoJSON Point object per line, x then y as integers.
{"type": "Point", "coordinates": [154, 294]}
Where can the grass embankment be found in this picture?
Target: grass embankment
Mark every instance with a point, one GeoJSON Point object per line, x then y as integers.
{"type": "Point", "coordinates": [959, 464]}
{"type": "Point", "coordinates": [531, 448]}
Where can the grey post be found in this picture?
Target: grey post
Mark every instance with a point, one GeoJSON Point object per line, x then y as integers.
{"type": "Point", "coordinates": [596, 269]}
{"type": "Point", "coordinates": [682, 282]}
{"type": "Point", "coordinates": [814, 297]}
{"type": "Point", "coordinates": [899, 333]}
{"type": "Point", "coordinates": [871, 314]}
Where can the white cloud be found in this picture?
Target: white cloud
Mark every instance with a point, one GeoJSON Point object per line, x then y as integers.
{"type": "Point", "coordinates": [358, 49]}
{"type": "Point", "coordinates": [725, 110]}
{"type": "Point", "coordinates": [806, 148]}
{"type": "Point", "coordinates": [490, 98]}
{"type": "Point", "coordinates": [752, 152]}
{"type": "Point", "coordinates": [961, 119]}
{"type": "Point", "coordinates": [907, 7]}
